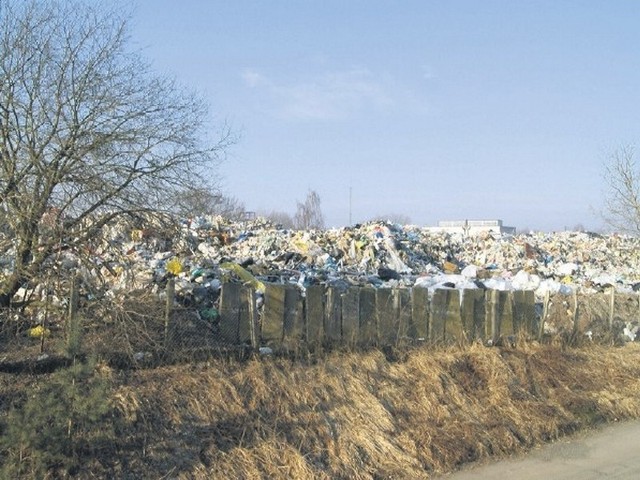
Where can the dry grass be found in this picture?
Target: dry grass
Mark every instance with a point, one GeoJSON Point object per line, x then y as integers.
{"type": "Point", "coordinates": [360, 416]}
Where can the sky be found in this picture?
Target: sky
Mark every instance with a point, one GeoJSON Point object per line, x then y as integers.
{"type": "Point", "coordinates": [433, 110]}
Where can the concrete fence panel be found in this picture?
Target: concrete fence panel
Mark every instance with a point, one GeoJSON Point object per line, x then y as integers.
{"type": "Point", "coordinates": [367, 316]}
{"type": "Point", "coordinates": [420, 314]}
{"type": "Point", "coordinates": [273, 315]}
{"type": "Point", "coordinates": [314, 315]}
{"type": "Point", "coordinates": [351, 316]}
{"type": "Point", "coordinates": [247, 317]}
{"type": "Point", "coordinates": [524, 312]}
{"type": "Point", "coordinates": [230, 305]}
{"type": "Point", "coordinates": [499, 320]}
{"type": "Point", "coordinates": [386, 316]}
{"type": "Point", "coordinates": [445, 321]}
{"type": "Point", "coordinates": [454, 330]}
{"type": "Point", "coordinates": [293, 321]}
{"type": "Point", "coordinates": [404, 325]}
{"type": "Point", "coordinates": [473, 314]}
{"type": "Point", "coordinates": [333, 315]}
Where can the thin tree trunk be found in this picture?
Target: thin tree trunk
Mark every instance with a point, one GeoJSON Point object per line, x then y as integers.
{"type": "Point", "coordinates": [9, 289]}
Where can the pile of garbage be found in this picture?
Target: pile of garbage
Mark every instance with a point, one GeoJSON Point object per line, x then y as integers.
{"type": "Point", "coordinates": [204, 252]}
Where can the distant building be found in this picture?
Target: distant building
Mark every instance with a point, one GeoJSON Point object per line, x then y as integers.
{"type": "Point", "coordinates": [248, 216]}
{"type": "Point", "coordinates": [473, 227]}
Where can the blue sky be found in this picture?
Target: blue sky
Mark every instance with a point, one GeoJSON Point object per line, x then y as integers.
{"type": "Point", "coordinates": [440, 110]}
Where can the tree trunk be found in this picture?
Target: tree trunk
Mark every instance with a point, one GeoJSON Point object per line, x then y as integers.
{"type": "Point", "coordinates": [9, 289]}
{"type": "Point", "coordinates": [5, 300]}
{"type": "Point", "coordinates": [18, 278]}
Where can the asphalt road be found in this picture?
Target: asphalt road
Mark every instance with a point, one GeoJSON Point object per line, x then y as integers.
{"type": "Point", "coordinates": [612, 452]}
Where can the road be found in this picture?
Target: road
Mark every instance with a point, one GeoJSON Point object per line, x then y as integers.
{"type": "Point", "coordinates": [612, 452]}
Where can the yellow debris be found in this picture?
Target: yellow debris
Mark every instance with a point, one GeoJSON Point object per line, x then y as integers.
{"type": "Point", "coordinates": [301, 245]}
{"type": "Point", "coordinates": [449, 267]}
{"type": "Point", "coordinates": [136, 235]}
{"type": "Point", "coordinates": [244, 275]}
{"type": "Point", "coordinates": [174, 266]}
{"type": "Point", "coordinates": [38, 332]}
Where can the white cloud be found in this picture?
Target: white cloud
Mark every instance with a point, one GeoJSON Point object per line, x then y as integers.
{"type": "Point", "coordinates": [251, 78]}
{"type": "Point", "coordinates": [329, 96]}
{"type": "Point", "coordinates": [427, 73]}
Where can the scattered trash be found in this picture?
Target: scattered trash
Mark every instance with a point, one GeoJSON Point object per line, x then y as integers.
{"type": "Point", "coordinates": [174, 266]}
{"type": "Point", "coordinates": [630, 331]}
{"type": "Point", "coordinates": [244, 275]}
{"type": "Point", "coordinates": [206, 251]}
{"type": "Point", "coordinates": [209, 314]}
{"type": "Point", "coordinates": [388, 274]}
{"type": "Point", "coordinates": [38, 332]}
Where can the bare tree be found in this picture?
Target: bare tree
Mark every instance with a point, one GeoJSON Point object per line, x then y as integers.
{"type": "Point", "coordinates": [199, 201]}
{"type": "Point", "coordinates": [309, 214]}
{"type": "Point", "coordinates": [282, 219]}
{"type": "Point", "coordinates": [87, 131]}
{"type": "Point", "coordinates": [622, 199]}
{"type": "Point", "coordinates": [229, 207]}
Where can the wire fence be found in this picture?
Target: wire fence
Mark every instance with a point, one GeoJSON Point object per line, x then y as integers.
{"type": "Point", "coordinates": [142, 327]}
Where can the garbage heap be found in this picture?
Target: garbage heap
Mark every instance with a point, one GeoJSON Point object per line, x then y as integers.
{"type": "Point", "coordinates": [203, 252]}
{"type": "Point", "coordinates": [206, 251]}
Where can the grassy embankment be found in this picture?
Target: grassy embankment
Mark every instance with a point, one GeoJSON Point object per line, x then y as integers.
{"type": "Point", "coordinates": [353, 416]}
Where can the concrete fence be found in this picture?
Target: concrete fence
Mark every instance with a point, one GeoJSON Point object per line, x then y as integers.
{"type": "Point", "coordinates": [361, 316]}
{"type": "Point", "coordinates": [155, 329]}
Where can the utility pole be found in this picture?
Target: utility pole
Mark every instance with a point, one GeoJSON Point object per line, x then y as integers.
{"type": "Point", "coordinates": [350, 195]}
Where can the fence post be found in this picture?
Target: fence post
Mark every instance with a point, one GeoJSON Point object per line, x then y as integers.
{"type": "Point", "coordinates": [612, 302]}
{"type": "Point", "coordinates": [545, 312]}
{"type": "Point", "coordinates": [171, 292]}
{"type": "Point", "coordinates": [575, 314]}
{"type": "Point", "coordinates": [73, 326]}
{"type": "Point", "coordinates": [253, 318]}
{"type": "Point", "coordinates": [333, 316]}
{"type": "Point", "coordinates": [494, 314]}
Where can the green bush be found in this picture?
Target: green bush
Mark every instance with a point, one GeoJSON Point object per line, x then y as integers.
{"type": "Point", "coordinates": [62, 418]}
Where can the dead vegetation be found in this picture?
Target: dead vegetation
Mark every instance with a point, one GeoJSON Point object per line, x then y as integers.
{"type": "Point", "coordinates": [355, 416]}
{"type": "Point", "coordinates": [404, 414]}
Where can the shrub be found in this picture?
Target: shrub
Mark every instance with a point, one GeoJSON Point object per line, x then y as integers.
{"type": "Point", "coordinates": [60, 421]}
